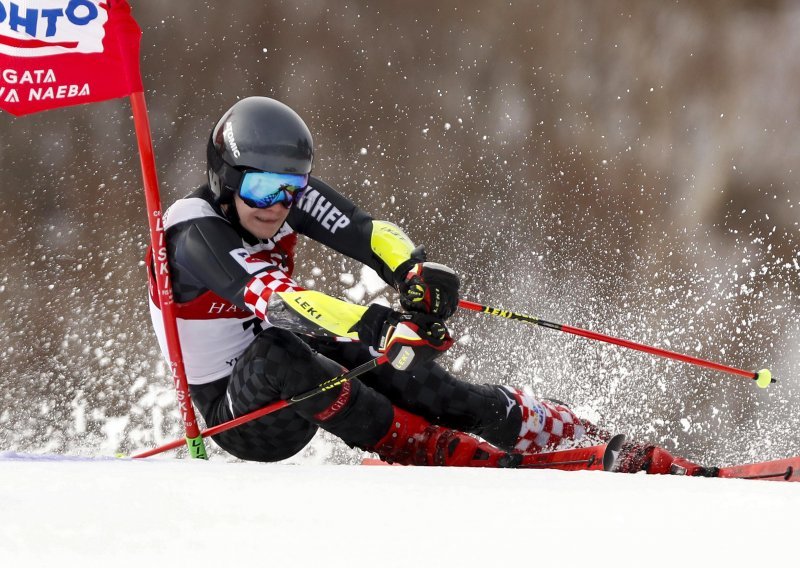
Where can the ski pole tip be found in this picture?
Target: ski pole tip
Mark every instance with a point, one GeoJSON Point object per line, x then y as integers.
{"type": "Point", "coordinates": [764, 378]}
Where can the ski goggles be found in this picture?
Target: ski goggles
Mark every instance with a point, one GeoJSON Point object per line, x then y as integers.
{"type": "Point", "coordinates": [265, 189]}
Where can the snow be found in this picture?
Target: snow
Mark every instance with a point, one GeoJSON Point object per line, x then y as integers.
{"type": "Point", "coordinates": [119, 512]}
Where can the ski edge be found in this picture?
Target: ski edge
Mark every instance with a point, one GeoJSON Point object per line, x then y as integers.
{"type": "Point", "coordinates": [787, 469]}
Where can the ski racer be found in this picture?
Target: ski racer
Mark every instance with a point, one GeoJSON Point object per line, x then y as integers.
{"type": "Point", "coordinates": [252, 335]}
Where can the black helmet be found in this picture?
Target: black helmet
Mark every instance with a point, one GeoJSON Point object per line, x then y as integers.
{"type": "Point", "coordinates": [257, 133]}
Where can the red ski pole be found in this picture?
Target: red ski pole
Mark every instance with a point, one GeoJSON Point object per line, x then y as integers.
{"type": "Point", "coordinates": [273, 407]}
{"type": "Point", "coordinates": [763, 378]}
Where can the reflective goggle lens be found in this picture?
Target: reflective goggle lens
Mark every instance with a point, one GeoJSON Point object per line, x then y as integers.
{"type": "Point", "coordinates": [265, 189]}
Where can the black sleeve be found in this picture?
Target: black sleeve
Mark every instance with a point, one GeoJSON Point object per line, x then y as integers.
{"type": "Point", "coordinates": [201, 259]}
{"type": "Point", "coordinates": [330, 218]}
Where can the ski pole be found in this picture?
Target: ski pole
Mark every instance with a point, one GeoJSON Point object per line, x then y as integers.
{"type": "Point", "coordinates": [763, 378]}
{"type": "Point", "coordinates": [270, 408]}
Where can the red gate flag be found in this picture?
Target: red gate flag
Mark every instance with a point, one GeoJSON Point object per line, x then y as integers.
{"type": "Point", "coordinates": [56, 53]}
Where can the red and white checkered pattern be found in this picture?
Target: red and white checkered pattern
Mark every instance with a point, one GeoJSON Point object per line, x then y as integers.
{"type": "Point", "coordinates": [261, 287]}
{"type": "Point", "coordinates": [544, 424]}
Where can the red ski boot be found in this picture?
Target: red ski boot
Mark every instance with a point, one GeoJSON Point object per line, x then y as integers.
{"type": "Point", "coordinates": [412, 440]}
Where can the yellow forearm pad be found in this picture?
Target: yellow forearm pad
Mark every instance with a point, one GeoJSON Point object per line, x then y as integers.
{"type": "Point", "coordinates": [390, 244]}
{"type": "Point", "coordinates": [333, 315]}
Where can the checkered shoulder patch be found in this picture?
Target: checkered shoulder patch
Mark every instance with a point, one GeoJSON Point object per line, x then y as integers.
{"type": "Point", "coordinates": [261, 287]}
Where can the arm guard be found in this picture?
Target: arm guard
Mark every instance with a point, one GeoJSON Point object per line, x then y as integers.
{"type": "Point", "coordinates": [390, 245]}
{"type": "Point", "coordinates": [276, 298]}
{"type": "Point", "coordinates": [313, 312]}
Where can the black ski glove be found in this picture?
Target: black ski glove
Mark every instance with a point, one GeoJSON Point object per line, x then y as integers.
{"type": "Point", "coordinates": [408, 340]}
{"type": "Point", "coordinates": [430, 288]}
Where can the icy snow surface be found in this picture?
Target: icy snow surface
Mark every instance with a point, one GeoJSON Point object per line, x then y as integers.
{"type": "Point", "coordinates": [104, 513]}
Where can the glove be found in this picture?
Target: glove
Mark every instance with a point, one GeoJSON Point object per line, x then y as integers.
{"type": "Point", "coordinates": [414, 339]}
{"type": "Point", "coordinates": [430, 288]}
{"type": "Point", "coordinates": [407, 340]}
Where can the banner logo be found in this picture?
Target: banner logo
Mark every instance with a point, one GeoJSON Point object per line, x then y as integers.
{"type": "Point", "coordinates": [228, 133]}
{"type": "Point", "coordinates": [52, 27]}
{"type": "Point", "coordinates": [57, 53]}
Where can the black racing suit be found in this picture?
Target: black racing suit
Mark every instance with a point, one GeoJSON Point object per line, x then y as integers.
{"type": "Point", "coordinates": [235, 366]}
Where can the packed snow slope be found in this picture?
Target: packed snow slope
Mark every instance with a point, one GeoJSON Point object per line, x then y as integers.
{"type": "Point", "coordinates": [169, 512]}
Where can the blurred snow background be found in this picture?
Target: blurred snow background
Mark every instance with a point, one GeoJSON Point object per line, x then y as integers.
{"type": "Point", "coordinates": [627, 167]}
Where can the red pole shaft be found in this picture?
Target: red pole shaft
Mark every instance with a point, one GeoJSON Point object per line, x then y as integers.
{"type": "Point", "coordinates": [657, 351]}
{"type": "Point", "coordinates": [219, 428]}
{"type": "Point", "coordinates": [159, 245]}
{"type": "Point", "coordinates": [608, 339]}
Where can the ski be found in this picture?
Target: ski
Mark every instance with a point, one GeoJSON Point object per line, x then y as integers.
{"type": "Point", "coordinates": [661, 462]}
{"type": "Point", "coordinates": [775, 470]}
{"type": "Point", "coordinates": [602, 458]}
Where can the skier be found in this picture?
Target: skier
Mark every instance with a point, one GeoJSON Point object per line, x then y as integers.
{"type": "Point", "coordinates": [251, 335]}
